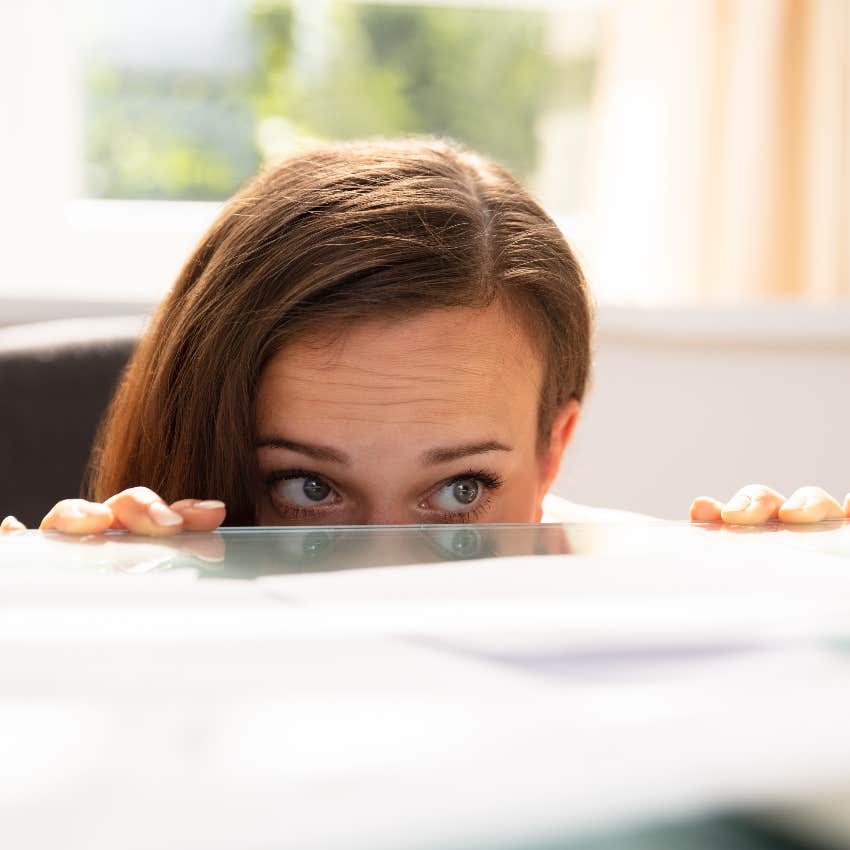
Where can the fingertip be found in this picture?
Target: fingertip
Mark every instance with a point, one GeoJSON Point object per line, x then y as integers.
{"type": "Point", "coordinates": [12, 523]}
{"type": "Point", "coordinates": [77, 516]}
{"type": "Point", "coordinates": [754, 515]}
{"type": "Point", "coordinates": [163, 516]}
{"type": "Point", "coordinates": [198, 515]}
{"type": "Point", "coordinates": [810, 504]}
{"type": "Point", "coordinates": [754, 504]}
{"type": "Point", "coordinates": [183, 504]}
{"type": "Point", "coordinates": [96, 512]}
{"type": "Point", "coordinates": [738, 512]}
{"type": "Point", "coordinates": [705, 509]}
{"type": "Point", "coordinates": [800, 513]}
{"type": "Point", "coordinates": [140, 511]}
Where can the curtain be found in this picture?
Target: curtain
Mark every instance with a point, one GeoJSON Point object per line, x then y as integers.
{"type": "Point", "coordinates": [719, 151]}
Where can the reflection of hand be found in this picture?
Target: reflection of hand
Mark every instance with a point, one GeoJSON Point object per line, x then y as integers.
{"type": "Point", "coordinates": [756, 504]}
{"type": "Point", "coordinates": [133, 553]}
{"type": "Point", "coordinates": [129, 553]}
{"type": "Point", "coordinates": [138, 510]}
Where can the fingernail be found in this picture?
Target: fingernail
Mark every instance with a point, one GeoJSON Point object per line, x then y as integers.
{"type": "Point", "coordinates": [163, 515]}
{"type": "Point", "coordinates": [739, 503]}
{"type": "Point", "coordinates": [92, 508]}
{"type": "Point", "coordinates": [11, 523]}
{"type": "Point", "coordinates": [145, 497]}
{"type": "Point", "coordinates": [210, 504]}
{"type": "Point", "coordinates": [795, 504]}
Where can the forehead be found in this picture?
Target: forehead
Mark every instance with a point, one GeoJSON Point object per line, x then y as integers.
{"type": "Point", "coordinates": [444, 370]}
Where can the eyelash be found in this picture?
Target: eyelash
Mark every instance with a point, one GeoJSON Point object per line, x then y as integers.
{"type": "Point", "coordinates": [490, 480]}
{"type": "Point", "coordinates": [290, 511]}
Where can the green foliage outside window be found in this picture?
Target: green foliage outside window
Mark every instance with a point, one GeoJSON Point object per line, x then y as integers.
{"type": "Point", "coordinates": [481, 76]}
{"type": "Point", "coordinates": [167, 135]}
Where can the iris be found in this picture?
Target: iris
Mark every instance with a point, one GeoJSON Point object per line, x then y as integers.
{"type": "Point", "coordinates": [315, 489]}
{"type": "Point", "coordinates": [465, 490]}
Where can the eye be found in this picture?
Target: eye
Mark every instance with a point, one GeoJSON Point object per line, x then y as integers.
{"type": "Point", "coordinates": [457, 495]}
{"type": "Point", "coordinates": [458, 544]}
{"type": "Point", "coordinates": [305, 491]}
{"type": "Point", "coordinates": [300, 548]}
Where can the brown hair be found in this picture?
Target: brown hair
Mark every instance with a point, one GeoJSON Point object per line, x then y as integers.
{"type": "Point", "coordinates": [340, 233]}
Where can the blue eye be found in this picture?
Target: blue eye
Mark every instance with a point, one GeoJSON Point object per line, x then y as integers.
{"type": "Point", "coordinates": [457, 544]}
{"type": "Point", "coordinates": [457, 495]}
{"type": "Point", "coordinates": [305, 491]}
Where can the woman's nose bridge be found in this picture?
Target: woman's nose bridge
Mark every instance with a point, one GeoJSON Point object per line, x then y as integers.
{"type": "Point", "coordinates": [386, 509]}
{"type": "Point", "coordinates": [387, 497]}
{"type": "Point", "coordinates": [386, 515]}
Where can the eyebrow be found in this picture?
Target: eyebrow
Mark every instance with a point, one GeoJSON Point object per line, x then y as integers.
{"type": "Point", "coordinates": [312, 450]}
{"type": "Point", "coordinates": [443, 454]}
{"type": "Point", "coordinates": [447, 454]}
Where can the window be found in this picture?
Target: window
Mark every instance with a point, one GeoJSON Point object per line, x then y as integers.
{"type": "Point", "coordinates": [158, 119]}
{"type": "Point", "coordinates": [164, 122]}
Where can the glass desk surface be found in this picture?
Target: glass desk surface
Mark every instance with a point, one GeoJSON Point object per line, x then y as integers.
{"type": "Point", "coordinates": [627, 685]}
{"type": "Point", "coordinates": [246, 553]}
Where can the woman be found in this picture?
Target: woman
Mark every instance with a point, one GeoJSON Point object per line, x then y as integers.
{"type": "Point", "coordinates": [373, 332]}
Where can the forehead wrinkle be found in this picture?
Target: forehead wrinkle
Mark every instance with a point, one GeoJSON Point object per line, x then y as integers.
{"type": "Point", "coordinates": [445, 417]}
{"type": "Point", "coordinates": [434, 406]}
{"type": "Point", "coordinates": [311, 382]}
{"type": "Point", "coordinates": [449, 383]}
{"type": "Point", "coordinates": [372, 420]}
{"type": "Point", "coordinates": [446, 407]}
{"type": "Point", "coordinates": [336, 366]}
{"type": "Point", "coordinates": [408, 372]}
{"type": "Point", "coordinates": [381, 402]}
{"type": "Point", "coordinates": [303, 382]}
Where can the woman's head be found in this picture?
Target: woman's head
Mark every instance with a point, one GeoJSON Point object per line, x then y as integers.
{"type": "Point", "coordinates": [386, 301]}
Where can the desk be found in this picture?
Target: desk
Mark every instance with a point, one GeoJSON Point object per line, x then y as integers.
{"type": "Point", "coordinates": [421, 687]}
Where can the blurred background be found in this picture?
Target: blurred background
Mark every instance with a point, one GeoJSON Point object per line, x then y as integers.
{"type": "Point", "coordinates": [696, 154]}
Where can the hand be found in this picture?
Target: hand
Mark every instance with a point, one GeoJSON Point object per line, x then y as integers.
{"type": "Point", "coordinates": [138, 510]}
{"type": "Point", "coordinates": [756, 504]}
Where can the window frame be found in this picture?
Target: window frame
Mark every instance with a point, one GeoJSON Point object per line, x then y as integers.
{"type": "Point", "coordinates": [107, 253]}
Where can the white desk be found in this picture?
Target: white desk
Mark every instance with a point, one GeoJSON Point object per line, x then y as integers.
{"type": "Point", "coordinates": [294, 689]}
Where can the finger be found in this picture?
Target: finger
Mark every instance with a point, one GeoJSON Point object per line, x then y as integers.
{"type": "Point", "coordinates": [847, 505]}
{"type": "Point", "coordinates": [11, 523]}
{"type": "Point", "coordinates": [77, 516]}
{"type": "Point", "coordinates": [752, 505]}
{"type": "Point", "coordinates": [705, 509]}
{"type": "Point", "coordinates": [200, 515]}
{"type": "Point", "coordinates": [141, 511]}
{"type": "Point", "coordinates": [208, 546]}
{"type": "Point", "coordinates": [810, 504]}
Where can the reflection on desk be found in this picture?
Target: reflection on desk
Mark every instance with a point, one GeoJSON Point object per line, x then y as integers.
{"type": "Point", "coordinates": [423, 686]}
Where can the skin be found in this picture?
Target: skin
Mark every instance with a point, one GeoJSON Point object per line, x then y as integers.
{"type": "Point", "coordinates": [388, 396]}
{"type": "Point", "coordinates": [755, 504]}
{"type": "Point", "coordinates": [381, 423]}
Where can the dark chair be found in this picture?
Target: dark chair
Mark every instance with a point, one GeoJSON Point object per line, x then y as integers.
{"type": "Point", "coordinates": [56, 379]}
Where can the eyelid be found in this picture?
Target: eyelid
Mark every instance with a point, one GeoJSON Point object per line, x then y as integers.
{"type": "Point", "coordinates": [289, 474]}
{"type": "Point", "coordinates": [469, 515]}
{"type": "Point", "coordinates": [491, 482]}
{"type": "Point", "coordinates": [271, 478]}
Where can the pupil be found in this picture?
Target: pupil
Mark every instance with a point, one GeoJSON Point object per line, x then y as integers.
{"type": "Point", "coordinates": [316, 542]}
{"type": "Point", "coordinates": [316, 489]}
{"type": "Point", "coordinates": [465, 490]}
{"type": "Point", "coordinates": [465, 542]}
